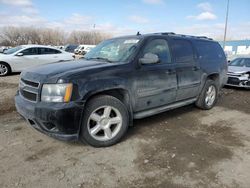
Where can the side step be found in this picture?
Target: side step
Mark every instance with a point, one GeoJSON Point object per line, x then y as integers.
{"type": "Point", "coordinates": [150, 112]}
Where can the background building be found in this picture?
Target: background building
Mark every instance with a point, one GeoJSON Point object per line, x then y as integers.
{"type": "Point", "coordinates": [235, 48]}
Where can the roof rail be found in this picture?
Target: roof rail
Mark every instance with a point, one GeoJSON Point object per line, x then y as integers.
{"type": "Point", "coordinates": [168, 33]}
{"type": "Point", "coordinates": [182, 35]}
{"type": "Point", "coordinates": [191, 36]}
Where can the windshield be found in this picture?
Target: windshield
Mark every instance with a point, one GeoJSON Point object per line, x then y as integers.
{"type": "Point", "coordinates": [240, 62]}
{"type": "Point", "coordinates": [13, 50]}
{"type": "Point", "coordinates": [114, 50]}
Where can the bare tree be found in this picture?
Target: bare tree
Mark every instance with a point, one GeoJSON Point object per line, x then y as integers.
{"type": "Point", "coordinates": [13, 36]}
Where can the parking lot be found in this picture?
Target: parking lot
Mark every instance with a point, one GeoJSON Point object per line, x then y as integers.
{"type": "Point", "coordinates": [186, 147]}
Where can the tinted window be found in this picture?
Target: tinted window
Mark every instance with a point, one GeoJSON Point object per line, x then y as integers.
{"type": "Point", "coordinates": [183, 51]}
{"type": "Point", "coordinates": [43, 51]}
{"type": "Point", "coordinates": [209, 50]}
{"type": "Point", "coordinates": [158, 47]}
{"type": "Point", "coordinates": [239, 62]}
{"type": "Point", "coordinates": [247, 62]}
{"type": "Point", "coordinates": [29, 51]}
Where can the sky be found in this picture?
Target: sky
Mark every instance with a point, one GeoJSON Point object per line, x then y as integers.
{"type": "Point", "coordinates": [123, 17]}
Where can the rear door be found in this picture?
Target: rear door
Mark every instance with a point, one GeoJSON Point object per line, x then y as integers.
{"type": "Point", "coordinates": [49, 55]}
{"type": "Point", "coordinates": [155, 84]}
{"type": "Point", "coordinates": [187, 69]}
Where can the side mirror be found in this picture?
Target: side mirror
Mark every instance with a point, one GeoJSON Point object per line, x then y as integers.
{"type": "Point", "coordinates": [149, 58]}
{"type": "Point", "coordinates": [19, 54]}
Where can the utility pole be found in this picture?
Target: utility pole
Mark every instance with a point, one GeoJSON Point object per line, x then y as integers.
{"type": "Point", "coordinates": [225, 31]}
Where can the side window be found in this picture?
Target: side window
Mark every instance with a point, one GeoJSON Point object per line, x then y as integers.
{"type": "Point", "coordinates": [158, 47]}
{"type": "Point", "coordinates": [44, 51]}
{"type": "Point", "coordinates": [30, 51]}
{"type": "Point", "coordinates": [209, 50]}
{"type": "Point", "coordinates": [183, 51]}
{"type": "Point", "coordinates": [247, 62]}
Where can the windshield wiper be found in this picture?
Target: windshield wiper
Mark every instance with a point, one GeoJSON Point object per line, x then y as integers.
{"type": "Point", "coordinates": [100, 58]}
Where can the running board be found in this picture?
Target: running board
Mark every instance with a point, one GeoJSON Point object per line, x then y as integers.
{"type": "Point", "coordinates": [150, 112]}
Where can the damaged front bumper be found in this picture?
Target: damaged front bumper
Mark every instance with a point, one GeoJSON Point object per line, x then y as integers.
{"type": "Point", "coordinates": [238, 81]}
{"type": "Point", "coordinates": [58, 120]}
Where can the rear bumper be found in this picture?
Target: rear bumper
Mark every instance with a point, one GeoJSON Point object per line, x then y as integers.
{"type": "Point", "coordinates": [58, 120]}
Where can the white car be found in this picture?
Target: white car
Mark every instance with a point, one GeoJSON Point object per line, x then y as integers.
{"type": "Point", "coordinates": [83, 49]}
{"type": "Point", "coordinates": [25, 56]}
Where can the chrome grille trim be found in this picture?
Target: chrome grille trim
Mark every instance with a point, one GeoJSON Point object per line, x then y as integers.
{"type": "Point", "coordinates": [29, 89]}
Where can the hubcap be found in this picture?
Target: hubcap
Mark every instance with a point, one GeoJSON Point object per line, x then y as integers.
{"type": "Point", "coordinates": [3, 70]}
{"type": "Point", "coordinates": [104, 123]}
{"type": "Point", "coordinates": [210, 95]}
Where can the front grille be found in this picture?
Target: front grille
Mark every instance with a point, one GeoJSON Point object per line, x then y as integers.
{"type": "Point", "coordinates": [28, 95]}
{"type": "Point", "coordinates": [233, 81]}
{"type": "Point", "coordinates": [29, 89]}
{"type": "Point", "coordinates": [33, 84]}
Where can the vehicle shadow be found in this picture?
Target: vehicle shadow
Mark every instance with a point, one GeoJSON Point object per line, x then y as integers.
{"type": "Point", "coordinates": [158, 119]}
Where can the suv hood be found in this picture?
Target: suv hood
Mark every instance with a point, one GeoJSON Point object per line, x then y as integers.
{"type": "Point", "coordinates": [55, 70]}
{"type": "Point", "coordinates": [238, 70]}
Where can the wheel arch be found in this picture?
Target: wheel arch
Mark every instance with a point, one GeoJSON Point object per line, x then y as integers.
{"type": "Point", "coordinates": [120, 93]}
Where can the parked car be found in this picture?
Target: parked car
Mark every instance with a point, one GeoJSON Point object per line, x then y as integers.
{"type": "Point", "coordinates": [239, 72]}
{"type": "Point", "coordinates": [70, 48]}
{"type": "Point", "coordinates": [95, 99]}
{"type": "Point", "coordinates": [4, 48]}
{"type": "Point", "coordinates": [83, 49]}
{"type": "Point", "coordinates": [22, 57]}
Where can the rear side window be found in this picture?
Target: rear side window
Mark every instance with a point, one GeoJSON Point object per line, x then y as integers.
{"type": "Point", "coordinates": [209, 50]}
{"type": "Point", "coordinates": [44, 51]}
{"type": "Point", "coordinates": [183, 51]}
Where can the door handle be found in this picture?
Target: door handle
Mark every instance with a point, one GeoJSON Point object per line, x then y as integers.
{"type": "Point", "coordinates": [195, 68]}
{"type": "Point", "coordinates": [170, 71]}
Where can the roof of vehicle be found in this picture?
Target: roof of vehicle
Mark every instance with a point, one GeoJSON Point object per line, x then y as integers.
{"type": "Point", "coordinates": [170, 34]}
{"type": "Point", "coordinates": [37, 45]}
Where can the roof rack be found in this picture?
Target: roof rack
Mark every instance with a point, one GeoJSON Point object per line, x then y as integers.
{"type": "Point", "coordinates": [181, 35]}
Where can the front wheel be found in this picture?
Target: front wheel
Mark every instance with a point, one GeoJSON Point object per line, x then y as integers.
{"type": "Point", "coordinates": [4, 69]}
{"type": "Point", "coordinates": [208, 96]}
{"type": "Point", "coordinates": [105, 121]}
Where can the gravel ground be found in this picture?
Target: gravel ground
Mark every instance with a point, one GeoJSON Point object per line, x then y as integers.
{"type": "Point", "coordinates": [186, 147]}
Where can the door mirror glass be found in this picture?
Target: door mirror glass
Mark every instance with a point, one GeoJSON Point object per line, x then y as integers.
{"type": "Point", "coordinates": [149, 58]}
{"type": "Point", "coordinates": [19, 54]}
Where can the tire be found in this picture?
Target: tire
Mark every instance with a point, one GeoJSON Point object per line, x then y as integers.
{"type": "Point", "coordinates": [99, 114]}
{"type": "Point", "coordinates": [202, 101]}
{"type": "Point", "coordinates": [4, 69]}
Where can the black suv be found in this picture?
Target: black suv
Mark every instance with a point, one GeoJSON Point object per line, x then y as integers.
{"type": "Point", "coordinates": [96, 98]}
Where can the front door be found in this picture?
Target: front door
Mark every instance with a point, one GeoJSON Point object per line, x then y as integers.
{"type": "Point", "coordinates": [28, 59]}
{"type": "Point", "coordinates": [155, 84]}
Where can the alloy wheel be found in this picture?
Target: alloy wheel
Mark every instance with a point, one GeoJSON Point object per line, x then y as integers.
{"type": "Point", "coordinates": [3, 69]}
{"type": "Point", "coordinates": [104, 123]}
{"type": "Point", "coordinates": [210, 95]}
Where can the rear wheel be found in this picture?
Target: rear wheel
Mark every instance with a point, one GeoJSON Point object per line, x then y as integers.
{"type": "Point", "coordinates": [4, 69]}
{"type": "Point", "coordinates": [208, 96]}
{"type": "Point", "coordinates": [105, 121]}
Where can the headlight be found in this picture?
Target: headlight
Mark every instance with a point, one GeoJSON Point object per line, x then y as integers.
{"type": "Point", "coordinates": [56, 92]}
{"type": "Point", "coordinates": [245, 75]}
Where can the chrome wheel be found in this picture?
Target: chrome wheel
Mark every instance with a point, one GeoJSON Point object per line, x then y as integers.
{"type": "Point", "coordinates": [104, 123]}
{"type": "Point", "coordinates": [3, 69]}
{"type": "Point", "coordinates": [210, 95]}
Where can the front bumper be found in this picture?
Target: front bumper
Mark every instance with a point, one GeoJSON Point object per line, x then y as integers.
{"type": "Point", "coordinates": [242, 82]}
{"type": "Point", "coordinates": [58, 120]}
